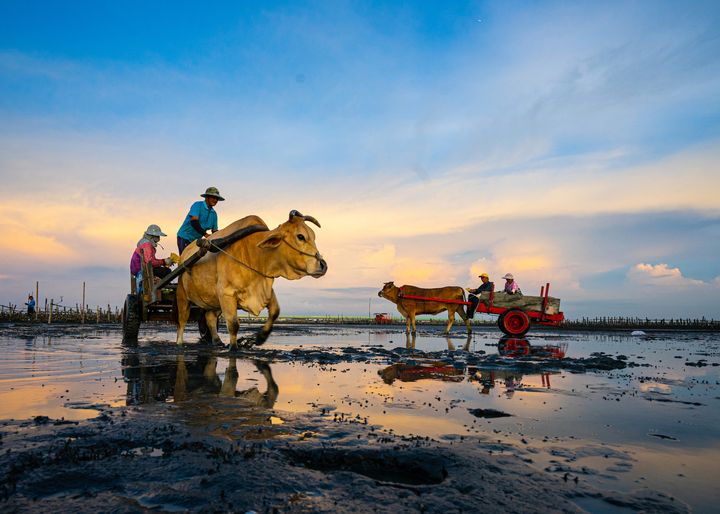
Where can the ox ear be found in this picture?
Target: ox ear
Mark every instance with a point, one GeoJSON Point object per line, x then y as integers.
{"type": "Point", "coordinates": [272, 240]}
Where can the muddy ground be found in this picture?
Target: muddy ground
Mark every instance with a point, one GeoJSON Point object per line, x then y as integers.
{"type": "Point", "coordinates": [219, 452]}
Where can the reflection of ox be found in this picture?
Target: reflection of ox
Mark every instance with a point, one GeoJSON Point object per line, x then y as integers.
{"type": "Point", "coordinates": [242, 275]}
{"type": "Point", "coordinates": [409, 308]}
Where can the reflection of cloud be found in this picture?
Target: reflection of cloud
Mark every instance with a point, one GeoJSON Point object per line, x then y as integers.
{"type": "Point", "coordinates": [660, 275]}
{"type": "Point", "coordinates": [655, 387]}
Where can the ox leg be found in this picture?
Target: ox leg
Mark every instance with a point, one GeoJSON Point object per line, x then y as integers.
{"type": "Point", "coordinates": [467, 343]}
{"type": "Point", "coordinates": [451, 345]}
{"type": "Point", "coordinates": [183, 310]}
{"type": "Point", "coordinates": [412, 323]}
{"type": "Point", "coordinates": [465, 318]}
{"type": "Point", "coordinates": [451, 320]}
{"type": "Point", "coordinates": [273, 309]}
{"type": "Point", "coordinates": [228, 304]}
{"type": "Point", "coordinates": [212, 319]}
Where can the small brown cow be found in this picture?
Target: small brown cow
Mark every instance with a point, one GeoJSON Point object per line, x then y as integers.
{"type": "Point", "coordinates": [409, 308]}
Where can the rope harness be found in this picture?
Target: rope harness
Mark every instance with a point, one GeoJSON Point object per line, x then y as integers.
{"type": "Point", "coordinates": [315, 255]}
{"type": "Point", "coordinates": [241, 262]}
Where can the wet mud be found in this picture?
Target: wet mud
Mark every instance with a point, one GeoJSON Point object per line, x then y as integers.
{"type": "Point", "coordinates": [200, 428]}
{"type": "Point", "coordinates": [126, 462]}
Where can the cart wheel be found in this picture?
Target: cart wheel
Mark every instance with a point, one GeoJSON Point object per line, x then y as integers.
{"type": "Point", "coordinates": [514, 322]}
{"type": "Point", "coordinates": [204, 329]}
{"type": "Point", "coordinates": [131, 318]}
{"type": "Point", "coordinates": [501, 321]}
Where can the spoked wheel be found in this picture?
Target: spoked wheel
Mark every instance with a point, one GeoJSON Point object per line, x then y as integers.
{"type": "Point", "coordinates": [131, 318]}
{"type": "Point", "coordinates": [514, 322]}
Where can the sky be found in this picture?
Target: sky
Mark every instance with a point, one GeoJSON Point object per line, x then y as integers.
{"type": "Point", "coordinates": [575, 143]}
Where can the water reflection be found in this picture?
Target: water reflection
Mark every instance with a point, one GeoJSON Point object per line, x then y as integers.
{"type": "Point", "coordinates": [413, 370]}
{"type": "Point", "coordinates": [511, 380]}
{"type": "Point", "coordinates": [514, 347]}
{"type": "Point", "coordinates": [150, 379]}
{"type": "Point", "coordinates": [411, 340]}
{"type": "Point", "coordinates": [253, 395]}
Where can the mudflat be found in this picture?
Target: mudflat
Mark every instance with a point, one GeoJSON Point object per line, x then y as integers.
{"type": "Point", "coordinates": [324, 419]}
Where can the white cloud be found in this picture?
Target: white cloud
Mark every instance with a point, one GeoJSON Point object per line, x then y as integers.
{"type": "Point", "coordinates": [661, 275]}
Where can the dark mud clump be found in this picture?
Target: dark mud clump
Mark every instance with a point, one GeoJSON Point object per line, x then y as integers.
{"type": "Point", "coordinates": [488, 413]}
{"type": "Point", "coordinates": [419, 467]}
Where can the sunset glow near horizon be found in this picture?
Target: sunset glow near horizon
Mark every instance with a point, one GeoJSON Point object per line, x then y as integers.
{"type": "Point", "coordinates": [571, 143]}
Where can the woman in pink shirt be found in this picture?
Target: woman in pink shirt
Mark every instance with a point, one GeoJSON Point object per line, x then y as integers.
{"type": "Point", "coordinates": [148, 244]}
{"type": "Point", "coordinates": [511, 287]}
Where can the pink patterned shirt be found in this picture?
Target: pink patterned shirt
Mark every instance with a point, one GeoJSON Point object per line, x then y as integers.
{"type": "Point", "coordinates": [512, 287]}
{"type": "Point", "coordinates": [149, 253]}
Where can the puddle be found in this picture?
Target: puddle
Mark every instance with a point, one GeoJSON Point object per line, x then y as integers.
{"type": "Point", "coordinates": [640, 418]}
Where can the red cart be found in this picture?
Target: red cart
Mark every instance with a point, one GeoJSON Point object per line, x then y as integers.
{"type": "Point", "coordinates": [382, 318]}
{"type": "Point", "coordinates": [512, 321]}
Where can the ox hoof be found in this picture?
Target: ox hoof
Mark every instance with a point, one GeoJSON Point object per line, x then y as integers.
{"type": "Point", "coordinates": [260, 338]}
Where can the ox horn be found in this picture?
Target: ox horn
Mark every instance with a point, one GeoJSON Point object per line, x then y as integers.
{"type": "Point", "coordinates": [309, 218]}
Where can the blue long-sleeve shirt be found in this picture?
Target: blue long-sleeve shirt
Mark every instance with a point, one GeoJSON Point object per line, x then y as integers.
{"type": "Point", "coordinates": [207, 217]}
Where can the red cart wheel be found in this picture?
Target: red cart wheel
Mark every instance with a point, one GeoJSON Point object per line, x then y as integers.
{"type": "Point", "coordinates": [514, 322]}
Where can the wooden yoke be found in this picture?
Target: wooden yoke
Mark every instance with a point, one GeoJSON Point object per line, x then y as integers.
{"type": "Point", "coordinates": [209, 245]}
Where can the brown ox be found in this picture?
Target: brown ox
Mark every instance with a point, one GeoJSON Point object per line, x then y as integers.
{"type": "Point", "coordinates": [241, 276]}
{"type": "Point", "coordinates": [410, 308]}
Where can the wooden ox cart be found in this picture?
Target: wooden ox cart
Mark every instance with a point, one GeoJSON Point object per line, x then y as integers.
{"type": "Point", "coordinates": [515, 312]}
{"type": "Point", "coordinates": [156, 300]}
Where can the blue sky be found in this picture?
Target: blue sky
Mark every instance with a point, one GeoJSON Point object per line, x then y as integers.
{"type": "Point", "coordinates": [571, 142]}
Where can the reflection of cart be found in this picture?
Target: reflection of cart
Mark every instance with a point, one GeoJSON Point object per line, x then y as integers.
{"type": "Point", "coordinates": [382, 318]}
{"type": "Point", "coordinates": [516, 347]}
{"type": "Point", "coordinates": [154, 300]}
{"type": "Point", "coordinates": [512, 321]}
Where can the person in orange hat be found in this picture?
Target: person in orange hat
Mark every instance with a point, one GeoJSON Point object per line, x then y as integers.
{"type": "Point", "coordinates": [474, 296]}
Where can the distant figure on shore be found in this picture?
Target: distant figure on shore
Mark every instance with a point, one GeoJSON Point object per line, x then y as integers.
{"type": "Point", "coordinates": [474, 296]}
{"type": "Point", "coordinates": [511, 287]}
{"type": "Point", "coordinates": [148, 244]}
{"type": "Point", "coordinates": [30, 305]}
{"type": "Point", "coordinates": [201, 218]}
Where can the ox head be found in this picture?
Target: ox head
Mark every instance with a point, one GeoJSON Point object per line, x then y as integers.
{"type": "Point", "coordinates": [389, 291]}
{"type": "Point", "coordinates": [294, 253]}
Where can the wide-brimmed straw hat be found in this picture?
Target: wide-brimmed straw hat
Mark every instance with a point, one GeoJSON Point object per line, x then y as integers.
{"type": "Point", "coordinates": [212, 191]}
{"type": "Point", "coordinates": [509, 276]}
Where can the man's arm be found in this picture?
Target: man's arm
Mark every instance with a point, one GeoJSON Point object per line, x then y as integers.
{"type": "Point", "coordinates": [195, 223]}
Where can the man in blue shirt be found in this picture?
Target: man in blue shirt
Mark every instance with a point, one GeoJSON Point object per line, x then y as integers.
{"type": "Point", "coordinates": [30, 305]}
{"type": "Point", "coordinates": [201, 218]}
{"type": "Point", "coordinates": [474, 297]}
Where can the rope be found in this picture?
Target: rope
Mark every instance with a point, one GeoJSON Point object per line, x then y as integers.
{"type": "Point", "coordinates": [241, 262]}
{"type": "Point", "coordinates": [316, 255]}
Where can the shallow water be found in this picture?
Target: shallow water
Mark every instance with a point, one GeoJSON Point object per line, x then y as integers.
{"type": "Point", "coordinates": [654, 424]}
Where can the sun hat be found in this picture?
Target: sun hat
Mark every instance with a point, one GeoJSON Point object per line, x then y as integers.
{"type": "Point", "coordinates": [154, 230]}
{"type": "Point", "coordinates": [212, 191]}
{"type": "Point", "coordinates": [481, 275]}
{"type": "Point", "coordinates": [509, 276]}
